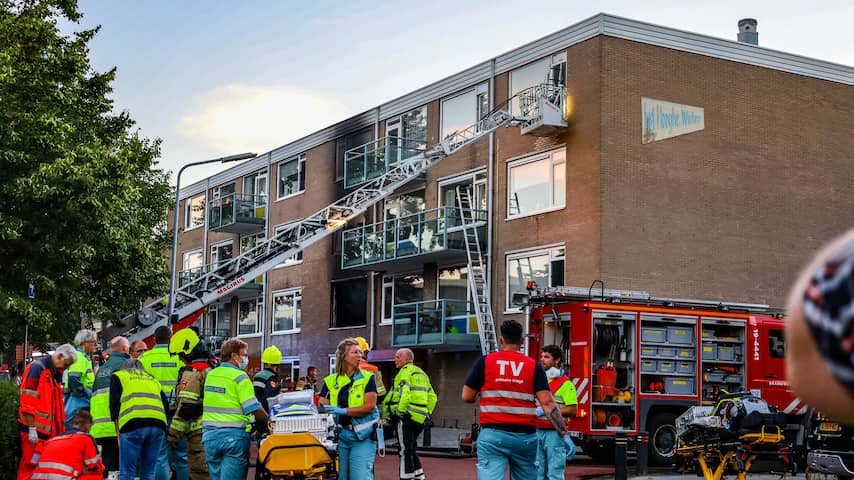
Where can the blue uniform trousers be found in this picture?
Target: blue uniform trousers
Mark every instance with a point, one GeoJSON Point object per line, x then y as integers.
{"type": "Point", "coordinates": [227, 452]}
{"type": "Point", "coordinates": [177, 458]}
{"type": "Point", "coordinates": [497, 449]}
{"type": "Point", "coordinates": [552, 455]}
{"type": "Point", "coordinates": [355, 457]}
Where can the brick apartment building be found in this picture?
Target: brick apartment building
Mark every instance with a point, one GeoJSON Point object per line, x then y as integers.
{"type": "Point", "coordinates": [728, 211]}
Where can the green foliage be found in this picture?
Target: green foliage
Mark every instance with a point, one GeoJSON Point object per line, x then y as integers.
{"type": "Point", "coordinates": [82, 202]}
{"type": "Point", "coordinates": [10, 440]}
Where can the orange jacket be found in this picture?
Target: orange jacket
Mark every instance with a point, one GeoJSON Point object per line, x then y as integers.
{"type": "Point", "coordinates": [41, 397]}
{"type": "Point", "coordinates": [72, 455]}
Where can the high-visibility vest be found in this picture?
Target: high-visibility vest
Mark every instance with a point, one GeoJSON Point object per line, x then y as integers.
{"type": "Point", "coordinates": [222, 405]}
{"type": "Point", "coordinates": [558, 386]}
{"type": "Point", "coordinates": [140, 397]}
{"type": "Point", "coordinates": [378, 377]}
{"type": "Point", "coordinates": [81, 369]}
{"type": "Point", "coordinates": [164, 367]}
{"type": "Point", "coordinates": [362, 426]}
{"type": "Point", "coordinates": [102, 425]}
{"type": "Point", "coordinates": [45, 403]}
{"type": "Point", "coordinates": [411, 394]}
{"type": "Point", "coordinates": [507, 396]}
{"type": "Point", "coordinates": [72, 455]}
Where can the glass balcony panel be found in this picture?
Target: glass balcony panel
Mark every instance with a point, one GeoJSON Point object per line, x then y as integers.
{"type": "Point", "coordinates": [371, 160]}
{"type": "Point", "coordinates": [353, 247]}
{"type": "Point", "coordinates": [187, 277]}
{"type": "Point", "coordinates": [237, 213]}
{"type": "Point", "coordinates": [434, 322]}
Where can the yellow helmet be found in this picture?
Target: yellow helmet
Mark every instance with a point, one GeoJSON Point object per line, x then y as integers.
{"type": "Point", "coordinates": [363, 344]}
{"type": "Point", "coordinates": [183, 341]}
{"type": "Point", "coordinates": [271, 355]}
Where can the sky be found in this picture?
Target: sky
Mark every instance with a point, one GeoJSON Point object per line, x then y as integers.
{"type": "Point", "coordinates": [215, 78]}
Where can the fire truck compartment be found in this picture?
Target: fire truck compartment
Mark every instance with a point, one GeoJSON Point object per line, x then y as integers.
{"type": "Point", "coordinates": [667, 352]}
{"type": "Point", "coordinates": [679, 386]}
{"type": "Point", "coordinates": [685, 353]}
{"type": "Point", "coordinates": [710, 351]}
{"type": "Point", "coordinates": [649, 366]}
{"type": "Point", "coordinates": [680, 335]}
{"type": "Point", "coordinates": [684, 367]}
{"type": "Point", "coordinates": [665, 366]}
{"type": "Point", "coordinates": [653, 334]}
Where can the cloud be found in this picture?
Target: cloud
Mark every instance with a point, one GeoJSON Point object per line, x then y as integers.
{"type": "Point", "coordinates": [241, 117]}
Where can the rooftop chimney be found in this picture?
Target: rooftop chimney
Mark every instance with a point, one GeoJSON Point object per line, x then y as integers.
{"type": "Point", "coordinates": [747, 31]}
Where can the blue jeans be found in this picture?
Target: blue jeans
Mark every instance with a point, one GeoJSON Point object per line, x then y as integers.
{"type": "Point", "coordinates": [139, 446]}
{"type": "Point", "coordinates": [176, 458]}
{"type": "Point", "coordinates": [496, 449]}
{"type": "Point", "coordinates": [227, 452]}
{"type": "Point", "coordinates": [551, 455]}
{"type": "Point", "coordinates": [355, 457]}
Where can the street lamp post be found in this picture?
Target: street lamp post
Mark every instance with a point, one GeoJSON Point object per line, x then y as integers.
{"type": "Point", "coordinates": [172, 272]}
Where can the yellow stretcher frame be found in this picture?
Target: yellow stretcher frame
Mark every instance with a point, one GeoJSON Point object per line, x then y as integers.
{"type": "Point", "coordinates": [295, 455]}
{"type": "Point", "coordinates": [729, 458]}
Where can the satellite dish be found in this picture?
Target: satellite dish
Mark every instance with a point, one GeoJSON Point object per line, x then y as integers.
{"type": "Point", "coordinates": [146, 317]}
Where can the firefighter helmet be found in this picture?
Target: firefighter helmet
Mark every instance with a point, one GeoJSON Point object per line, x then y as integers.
{"type": "Point", "coordinates": [271, 356]}
{"type": "Point", "coordinates": [363, 344]}
{"type": "Point", "coordinates": [183, 341]}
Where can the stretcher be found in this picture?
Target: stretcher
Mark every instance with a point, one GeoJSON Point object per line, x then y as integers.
{"type": "Point", "coordinates": [739, 455]}
{"type": "Point", "coordinates": [299, 448]}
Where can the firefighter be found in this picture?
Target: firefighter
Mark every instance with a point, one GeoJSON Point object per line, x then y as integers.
{"type": "Point", "coordinates": [351, 395]}
{"type": "Point", "coordinates": [71, 455]}
{"type": "Point", "coordinates": [186, 424]}
{"type": "Point", "coordinates": [103, 428]}
{"type": "Point", "coordinates": [229, 401]}
{"type": "Point", "coordinates": [364, 365]}
{"type": "Point", "coordinates": [552, 452]}
{"type": "Point", "coordinates": [410, 404]}
{"type": "Point", "coordinates": [164, 366]}
{"type": "Point", "coordinates": [80, 377]}
{"type": "Point", "coordinates": [41, 415]}
{"type": "Point", "coordinates": [266, 382]}
{"type": "Point", "coordinates": [138, 406]}
{"type": "Point", "coordinates": [508, 383]}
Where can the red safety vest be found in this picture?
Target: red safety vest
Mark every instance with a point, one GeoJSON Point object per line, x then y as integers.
{"type": "Point", "coordinates": [554, 386]}
{"type": "Point", "coordinates": [73, 455]}
{"type": "Point", "coordinates": [507, 395]}
{"type": "Point", "coordinates": [44, 403]}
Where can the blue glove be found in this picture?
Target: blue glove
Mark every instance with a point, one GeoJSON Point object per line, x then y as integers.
{"type": "Point", "coordinates": [570, 447]}
{"type": "Point", "coordinates": [540, 412]}
{"type": "Point", "coordinates": [335, 410]}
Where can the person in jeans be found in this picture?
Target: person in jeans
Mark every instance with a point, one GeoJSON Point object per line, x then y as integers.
{"type": "Point", "coordinates": [138, 406]}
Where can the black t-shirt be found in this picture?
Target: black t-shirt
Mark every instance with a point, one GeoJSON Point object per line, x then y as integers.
{"type": "Point", "coordinates": [476, 379]}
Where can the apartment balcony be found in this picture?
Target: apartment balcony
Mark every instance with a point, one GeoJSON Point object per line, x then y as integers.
{"type": "Point", "coordinates": [247, 290]}
{"type": "Point", "coordinates": [371, 160]}
{"type": "Point", "coordinates": [435, 323]}
{"type": "Point", "coordinates": [545, 108]}
{"type": "Point", "coordinates": [237, 213]}
{"type": "Point", "coordinates": [432, 235]}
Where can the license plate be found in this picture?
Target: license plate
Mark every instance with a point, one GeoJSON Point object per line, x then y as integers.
{"type": "Point", "coordinates": [829, 427]}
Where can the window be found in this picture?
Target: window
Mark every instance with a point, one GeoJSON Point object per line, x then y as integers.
{"type": "Point", "coordinates": [545, 267]}
{"type": "Point", "coordinates": [536, 184]}
{"type": "Point", "coordinates": [403, 205]}
{"type": "Point", "coordinates": [297, 257]}
{"type": "Point", "coordinates": [194, 216]}
{"type": "Point", "coordinates": [398, 290]}
{"type": "Point", "coordinates": [776, 343]}
{"type": "Point", "coordinates": [256, 184]}
{"type": "Point", "coordinates": [551, 70]}
{"type": "Point", "coordinates": [415, 126]}
{"type": "Point", "coordinates": [222, 191]}
{"type": "Point", "coordinates": [193, 259]}
{"type": "Point", "coordinates": [221, 253]}
{"type": "Point", "coordinates": [331, 364]}
{"type": "Point", "coordinates": [286, 311]}
{"type": "Point", "coordinates": [218, 321]}
{"type": "Point", "coordinates": [353, 140]}
{"type": "Point", "coordinates": [248, 242]}
{"type": "Point", "coordinates": [475, 181]}
{"type": "Point", "coordinates": [291, 177]}
{"type": "Point", "coordinates": [289, 370]}
{"type": "Point", "coordinates": [388, 299]}
{"type": "Point", "coordinates": [249, 315]}
{"type": "Point", "coordinates": [453, 283]}
{"type": "Point", "coordinates": [463, 110]}
{"type": "Point", "coordinates": [349, 303]}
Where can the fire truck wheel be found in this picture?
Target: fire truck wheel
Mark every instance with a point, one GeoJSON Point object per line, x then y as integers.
{"type": "Point", "coordinates": [662, 439]}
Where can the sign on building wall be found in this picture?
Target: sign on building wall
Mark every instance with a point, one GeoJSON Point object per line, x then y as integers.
{"type": "Point", "coordinates": [665, 119]}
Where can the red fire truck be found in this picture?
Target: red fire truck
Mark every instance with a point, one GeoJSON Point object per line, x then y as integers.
{"type": "Point", "coordinates": [638, 361]}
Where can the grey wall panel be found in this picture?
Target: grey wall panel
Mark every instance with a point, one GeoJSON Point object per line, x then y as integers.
{"type": "Point", "coordinates": [442, 88]}
{"type": "Point", "coordinates": [548, 45]}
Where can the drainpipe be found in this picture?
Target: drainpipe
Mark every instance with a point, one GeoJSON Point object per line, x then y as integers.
{"type": "Point", "coordinates": [489, 185]}
{"type": "Point", "coordinates": [372, 289]}
{"type": "Point", "coordinates": [266, 292]}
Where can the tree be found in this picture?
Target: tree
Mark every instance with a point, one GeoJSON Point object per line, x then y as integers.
{"type": "Point", "coordinates": [82, 203]}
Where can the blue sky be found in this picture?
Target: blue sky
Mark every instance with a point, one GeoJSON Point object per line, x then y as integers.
{"type": "Point", "coordinates": [216, 78]}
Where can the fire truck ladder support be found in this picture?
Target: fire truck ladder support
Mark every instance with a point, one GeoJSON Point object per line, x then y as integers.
{"type": "Point", "coordinates": [478, 285]}
{"type": "Point", "coordinates": [238, 271]}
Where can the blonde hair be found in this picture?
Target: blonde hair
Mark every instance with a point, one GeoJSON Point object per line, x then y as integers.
{"type": "Point", "coordinates": [341, 352]}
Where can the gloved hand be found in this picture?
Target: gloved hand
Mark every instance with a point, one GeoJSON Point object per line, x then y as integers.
{"type": "Point", "coordinates": [335, 410]}
{"type": "Point", "coordinates": [33, 436]}
{"type": "Point", "coordinates": [540, 412]}
{"type": "Point", "coordinates": [570, 447]}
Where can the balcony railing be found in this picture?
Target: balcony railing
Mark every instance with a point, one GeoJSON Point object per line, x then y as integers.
{"type": "Point", "coordinates": [369, 161]}
{"type": "Point", "coordinates": [417, 234]}
{"type": "Point", "coordinates": [186, 277]}
{"type": "Point", "coordinates": [237, 213]}
{"type": "Point", "coordinates": [434, 322]}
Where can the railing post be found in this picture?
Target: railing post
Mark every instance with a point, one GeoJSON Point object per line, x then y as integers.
{"type": "Point", "coordinates": [620, 463]}
{"type": "Point", "coordinates": [643, 452]}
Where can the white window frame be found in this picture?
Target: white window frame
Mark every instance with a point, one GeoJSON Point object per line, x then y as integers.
{"type": "Point", "coordinates": [259, 179]}
{"type": "Point", "coordinates": [297, 258]}
{"type": "Point", "coordinates": [296, 292]}
{"type": "Point", "coordinates": [538, 157]}
{"type": "Point", "coordinates": [259, 328]}
{"type": "Point", "coordinates": [214, 247]}
{"type": "Point", "coordinates": [301, 170]}
{"type": "Point", "coordinates": [332, 360]}
{"type": "Point", "coordinates": [293, 361]}
{"type": "Point", "coordinates": [478, 90]}
{"type": "Point", "coordinates": [553, 251]}
{"type": "Point", "coordinates": [387, 283]}
{"type": "Point", "coordinates": [195, 251]}
{"type": "Point", "coordinates": [188, 205]}
{"type": "Point", "coordinates": [216, 192]}
{"type": "Point", "coordinates": [553, 60]}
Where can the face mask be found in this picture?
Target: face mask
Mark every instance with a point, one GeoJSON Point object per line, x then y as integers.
{"type": "Point", "coordinates": [552, 373]}
{"type": "Point", "coordinates": [244, 362]}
